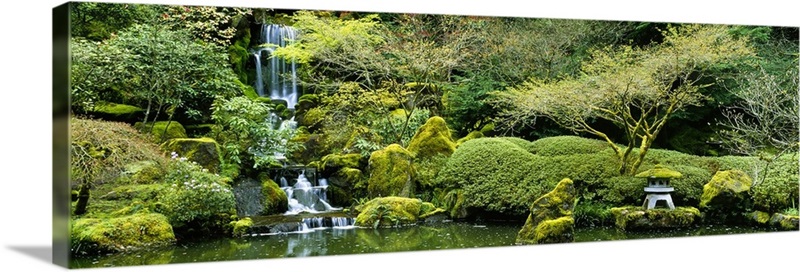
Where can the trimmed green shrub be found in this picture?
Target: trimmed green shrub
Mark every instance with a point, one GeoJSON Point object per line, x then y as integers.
{"type": "Point", "coordinates": [493, 174]}
{"type": "Point", "coordinates": [566, 145]}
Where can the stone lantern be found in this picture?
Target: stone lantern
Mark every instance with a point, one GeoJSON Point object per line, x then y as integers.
{"type": "Point", "coordinates": [658, 187]}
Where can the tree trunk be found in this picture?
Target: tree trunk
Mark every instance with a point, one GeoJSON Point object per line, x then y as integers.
{"type": "Point", "coordinates": [83, 199]}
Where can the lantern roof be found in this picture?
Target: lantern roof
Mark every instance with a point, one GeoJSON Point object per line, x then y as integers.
{"type": "Point", "coordinates": [659, 171]}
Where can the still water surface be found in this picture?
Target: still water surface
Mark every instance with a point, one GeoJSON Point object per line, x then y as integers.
{"type": "Point", "coordinates": [330, 241]}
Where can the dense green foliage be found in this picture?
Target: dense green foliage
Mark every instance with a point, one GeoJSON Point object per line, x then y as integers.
{"type": "Point", "coordinates": [155, 68]}
{"type": "Point", "coordinates": [477, 116]}
{"type": "Point", "coordinates": [636, 89]}
{"type": "Point", "coordinates": [496, 175]}
{"type": "Point", "coordinates": [195, 198]}
{"type": "Point", "coordinates": [247, 136]}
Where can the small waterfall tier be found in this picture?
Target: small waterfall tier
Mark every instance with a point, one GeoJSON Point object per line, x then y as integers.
{"type": "Point", "coordinates": [305, 197]}
{"type": "Point", "coordinates": [271, 225]}
{"type": "Point", "coordinates": [276, 77]}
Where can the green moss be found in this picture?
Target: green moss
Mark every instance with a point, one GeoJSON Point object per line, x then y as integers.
{"type": "Point", "coordinates": [340, 161]}
{"type": "Point", "coordinates": [785, 222]}
{"type": "Point", "coordinates": [350, 175]}
{"type": "Point", "coordinates": [390, 212]}
{"type": "Point", "coordinates": [638, 218]}
{"type": "Point", "coordinates": [760, 217]}
{"type": "Point", "coordinates": [556, 209]}
{"type": "Point", "coordinates": [427, 207]}
{"type": "Point", "coordinates": [144, 192]}
{"type": "Point", "coordinates": [726, 198]}
{"type": "Point", "coordinates": [275, 199]}
{"type": "Point", "coordinates": [390, 172]}
{"type": "Point", "coordinates": [137, 231]}
{"type": "Point", "coordinates": [559, 230]}
{"type": "Point", "coordinates": [241, 227]}
{"type": "Point", "coordinates": [487, 129]}
{"type": "Point", "coordinates": [203, 151]}
{"type": "Point", "coordinates": [660, 172]}
{"type": "Point", "coordinates": [470, 136]}
{"type": "Point", "coordinates": [432, 138]}
{"type": "Point", "coordinates": [117, 112]}
{"type": "Point", "coordinates": [238, 54]}
{"type": "Point", "coordinates": [733, 183]}
{"type": "Point", "coordinates": [142, 172]}
{"type": "Point", "coordinates": [163, 130]}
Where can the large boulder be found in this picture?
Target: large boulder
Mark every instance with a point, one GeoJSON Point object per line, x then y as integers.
{"type": "Point", "coordinates": [726, 197]}
{"type": "Point", "coordinates": [117, 112]}
{"type": "Point", "coordinates": [136, 231]}
{"type": "Point", "coordinates": [394, 212]}
{"type": "Point", "coordinates": [390, 172]}
{"type": "Point", "coordinates": [550, 219]}
{"type": "Point", "coordinates": [275, 199]}
{"type": "Point", "coordinates": [162, 131]}
{"type": "Point", "coordinates": [433, 138]}
{"type": "Point", "coordinates": [204, 151]}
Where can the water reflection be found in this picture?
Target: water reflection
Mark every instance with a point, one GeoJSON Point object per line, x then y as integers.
{"type": "Point", "coordinates": [336, 241]}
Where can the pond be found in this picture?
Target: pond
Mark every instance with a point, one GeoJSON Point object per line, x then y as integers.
{"type": "Point", "coordinates": [339, 241]}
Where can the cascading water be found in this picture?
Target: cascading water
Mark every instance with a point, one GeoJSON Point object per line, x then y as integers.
{"type": "Point", "coordinates": [303, 197]}
{"type": "Point", "coordinates": [276, 75]}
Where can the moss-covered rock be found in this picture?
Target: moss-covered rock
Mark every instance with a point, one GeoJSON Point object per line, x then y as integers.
{"type": "Point", "coordinates": [117, 112]}
{"type": "Point", "coordinates": [136, 231]}
{"type": "Point", "coordinates": [760, 217]}
{"type": "Point", "coordinates": [432, 138]}
{"type": "Point", "coordinates": [204, 151]}
{"type": "Point", "coordinates": [394, 212]}
{"type": "Point", "coordinates": [725, 198]}
{"type": "Point", "coordinates": [631, 218]}
{"type": "Point", "coordinates": [785, 222]}
{"type": "Point", "coordinates": [275, 199]}
{"type": "Point", "coordinates": [550, 219]}
{"type": "Point", "coordinates": [336, 161]}
{"type": "Point", "coordinates": [390, 172]}
{"type": "Point", "coordinates": [163, 130]}
{"type": "Point", "coordinates": [777, 220]}
{"type": "Point", "coordinates": [659, 172]}
{"type": "Point", "coordinates": [142, 172]}
{"type": "Point", "coordinates": [241, 227]}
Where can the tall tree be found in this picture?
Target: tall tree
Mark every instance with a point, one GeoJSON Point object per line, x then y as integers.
{"type": "Point", "coordinates": [765, 121]}
{"type": "Point", "coordinates": [165, 70]}
{"type": "Point", "coordinates": [637, 89]}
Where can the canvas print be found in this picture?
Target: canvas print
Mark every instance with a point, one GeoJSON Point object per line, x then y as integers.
{"type": "Point", "coordinates": [215, 133]}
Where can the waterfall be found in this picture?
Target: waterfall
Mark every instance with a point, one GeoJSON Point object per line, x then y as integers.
{"type": "Point", "coordinates": [304, 197]}
{"type": "Point", "coordinates": [280, 77]}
